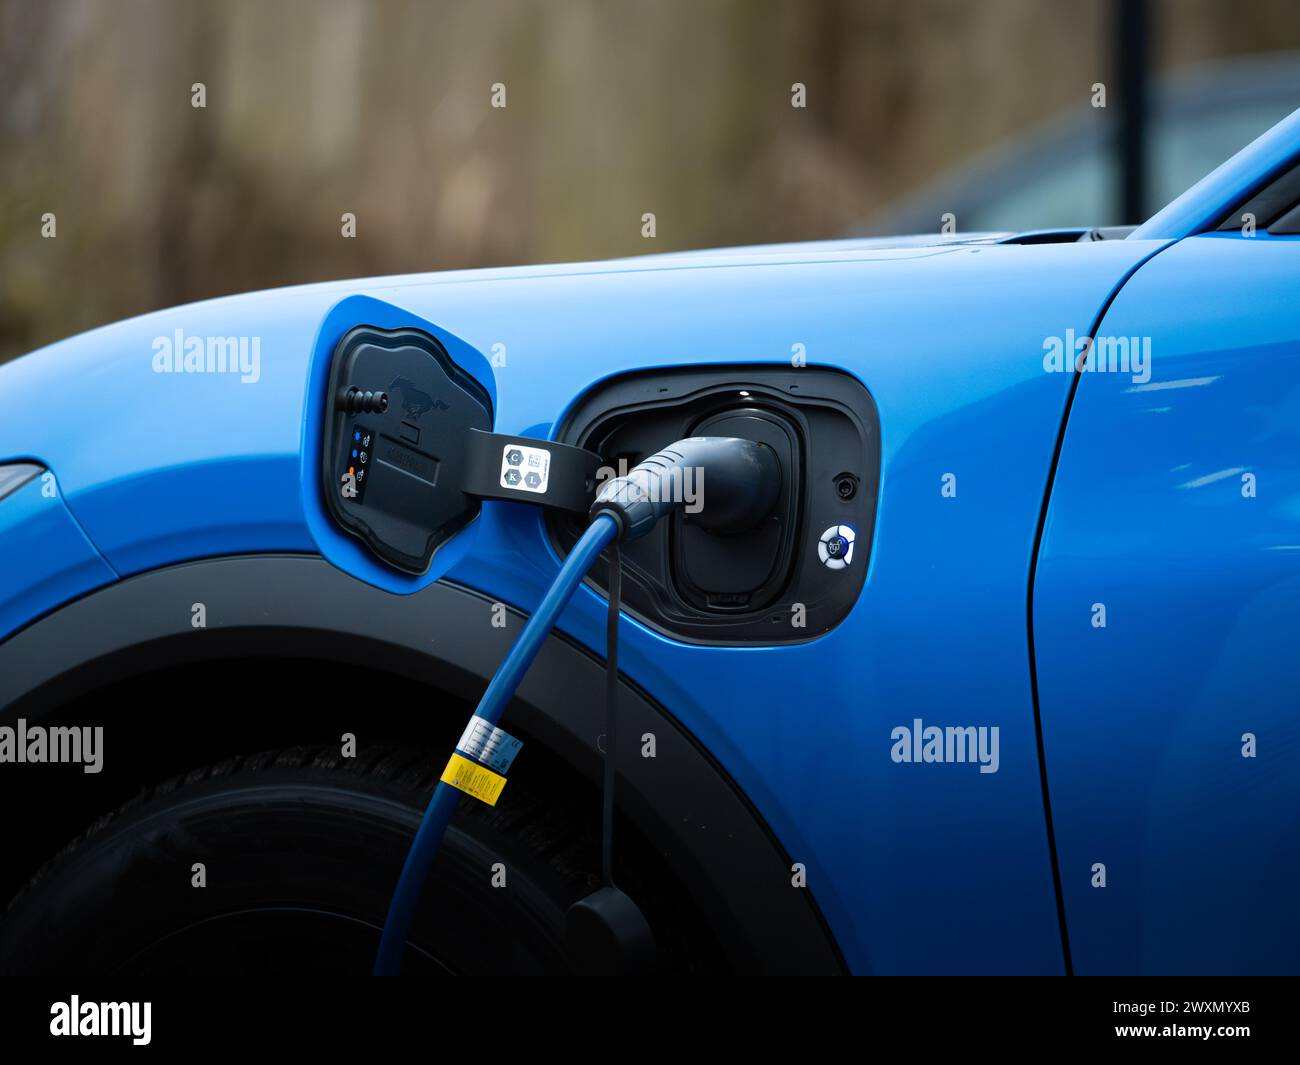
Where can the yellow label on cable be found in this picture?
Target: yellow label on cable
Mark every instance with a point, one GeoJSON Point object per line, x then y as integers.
{"type": "Point", "coordinates": [473, 779]}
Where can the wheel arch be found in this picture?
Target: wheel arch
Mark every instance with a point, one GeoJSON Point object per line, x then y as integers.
{"type": "Point", "coordinates": [440, 640]}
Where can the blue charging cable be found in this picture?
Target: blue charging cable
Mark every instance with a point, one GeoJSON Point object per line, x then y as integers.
{"type": "Point", "coordinates": [419, 860]}
{"type": "Point", "coordinates": [744, 479]}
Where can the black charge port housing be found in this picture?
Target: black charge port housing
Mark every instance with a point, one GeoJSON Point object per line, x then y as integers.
{"type": "Point", "coordinates": [767, 585]}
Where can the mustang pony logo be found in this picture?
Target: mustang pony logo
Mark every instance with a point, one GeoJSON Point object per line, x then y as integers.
{"type": "Point", "coordinates": [415, 401]}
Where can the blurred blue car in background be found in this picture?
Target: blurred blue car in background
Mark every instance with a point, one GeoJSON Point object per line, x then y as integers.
{"type": "Point", "coordinates": [1066, 171]}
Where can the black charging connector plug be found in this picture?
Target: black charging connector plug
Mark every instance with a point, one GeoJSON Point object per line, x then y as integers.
{"type": "Point", "coordinates": [735, 482]}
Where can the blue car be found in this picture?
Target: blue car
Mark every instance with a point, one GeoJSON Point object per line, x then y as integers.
{"type": "Point", "coordinates": [982, 664]}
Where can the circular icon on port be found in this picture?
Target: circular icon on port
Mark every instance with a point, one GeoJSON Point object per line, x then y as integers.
{"type": "Point", "coordinates": [835, 548]}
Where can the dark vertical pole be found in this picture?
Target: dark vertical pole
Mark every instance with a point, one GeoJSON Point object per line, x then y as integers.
{"type": "Point", "coordinates": [1132, 43]}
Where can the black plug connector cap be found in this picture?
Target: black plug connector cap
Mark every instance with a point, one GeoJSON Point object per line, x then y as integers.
{"type": "Point", "coordinates": [355, 401]}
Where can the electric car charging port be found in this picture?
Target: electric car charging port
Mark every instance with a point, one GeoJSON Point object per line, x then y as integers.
{"type": "Point", "coordinates": [762, 586]}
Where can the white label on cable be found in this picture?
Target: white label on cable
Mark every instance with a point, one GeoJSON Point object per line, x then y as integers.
{"type": "Point", "coordinates": [525, 469]}
{"type": "Point", "coordinates": [489, 745]}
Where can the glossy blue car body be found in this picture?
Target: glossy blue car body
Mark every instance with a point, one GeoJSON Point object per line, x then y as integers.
{"type": "Point", "coordinates": [988, 557]}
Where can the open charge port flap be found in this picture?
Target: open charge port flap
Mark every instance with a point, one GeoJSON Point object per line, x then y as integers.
{"type": "Point", "coordinates": [393, 477]}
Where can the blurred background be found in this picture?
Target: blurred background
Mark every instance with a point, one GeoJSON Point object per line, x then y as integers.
{"type": "Point", "coordinates": [985, 109]}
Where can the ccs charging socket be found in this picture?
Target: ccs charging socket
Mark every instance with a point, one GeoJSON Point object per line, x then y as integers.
{"type": "Point", "coordinates": [761, 586]}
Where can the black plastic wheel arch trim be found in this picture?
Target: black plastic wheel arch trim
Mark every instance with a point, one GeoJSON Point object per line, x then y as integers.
{"type": "Point", "coordinates": [682, 801]}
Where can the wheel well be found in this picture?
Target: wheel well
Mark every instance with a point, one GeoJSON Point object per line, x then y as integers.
{"type": "Point", "coordinates": [175, 721]}
{"type": "Point", "coordinates": [293, 651]}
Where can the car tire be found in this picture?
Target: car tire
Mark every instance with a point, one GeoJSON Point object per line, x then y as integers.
{"type": "Point", "coordinates": [284, 862]}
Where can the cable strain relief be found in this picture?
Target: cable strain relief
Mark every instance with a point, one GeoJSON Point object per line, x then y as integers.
{"type": "Point", "coordinates": [614, 511]}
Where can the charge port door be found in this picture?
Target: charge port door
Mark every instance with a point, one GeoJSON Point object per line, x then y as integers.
{"type": "Point", "coordinates": [395, 443]}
